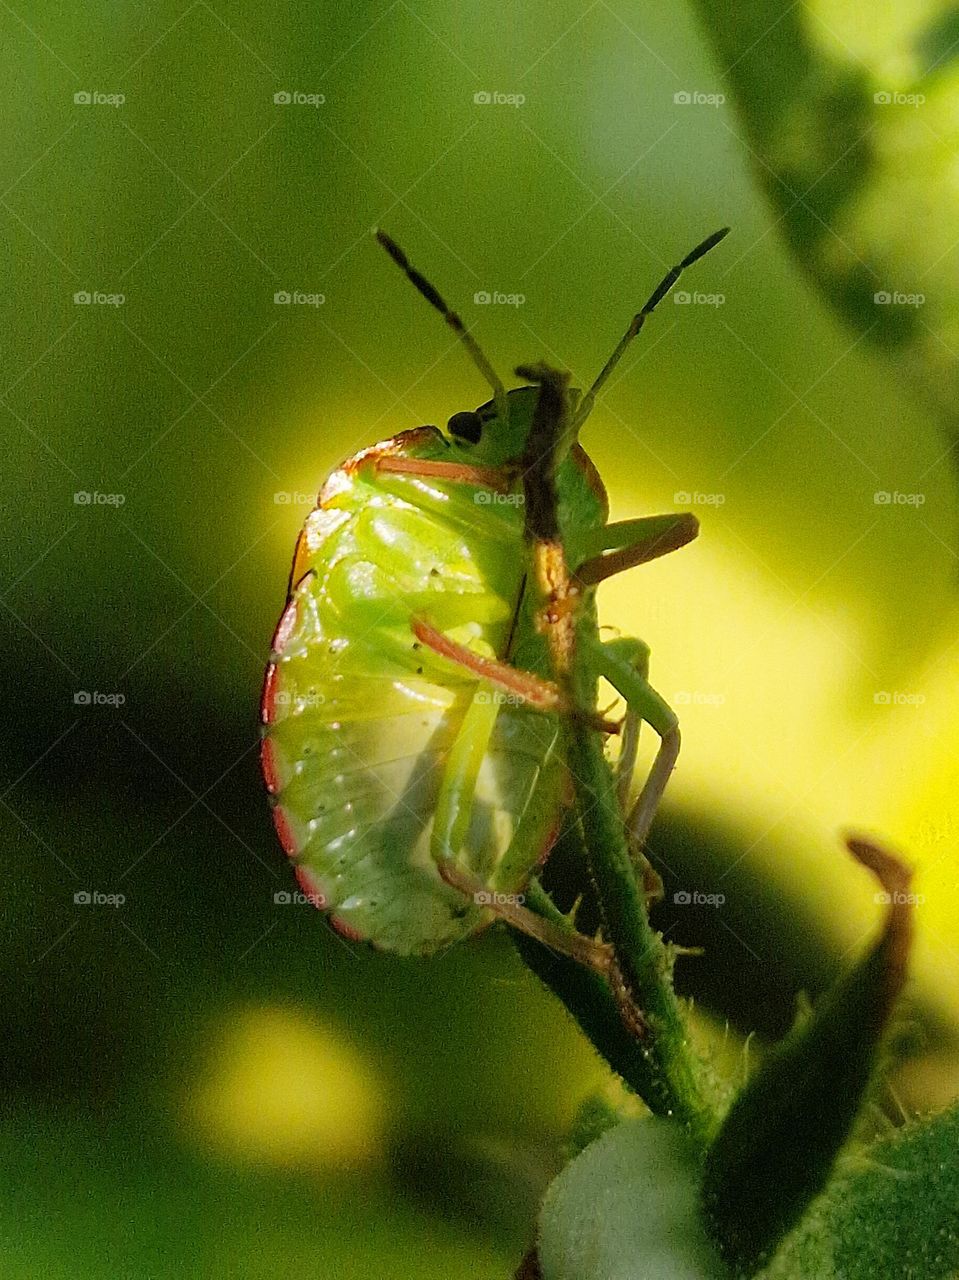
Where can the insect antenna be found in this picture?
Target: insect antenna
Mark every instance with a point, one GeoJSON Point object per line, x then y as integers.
{"type": "Point", "coordinates": [638, 320]}
{"type": "Point", "coordinates": [433, 297]}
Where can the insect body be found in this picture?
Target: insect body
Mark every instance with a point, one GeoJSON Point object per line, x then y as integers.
{"type": "Point", "coordinates": [410, 725]}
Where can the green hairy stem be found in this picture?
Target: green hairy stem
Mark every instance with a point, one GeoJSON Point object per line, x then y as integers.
{"type": "Point", "coordinates": [672, 1079]}
{"type": "Point", "coordinates": [676, 1076]}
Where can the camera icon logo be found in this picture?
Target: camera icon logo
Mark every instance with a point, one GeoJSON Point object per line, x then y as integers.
{"type": "Point", "coordinates": [882, 498]}
{"type": "Point", "coordinates": [682, 298]}
{"type": "Point", "coordinates": [882, 298]}
{"type": "Point", "coordinates": [283, 98]}
{"type": "Point", "coordinates": [682, 897]}
{"type": "Point", "coordinates": [82, 298]}
{"type": "Point", "coordinates": [483, 98]}
{"type": "Point", "coordinates": [282, 298]}
{"type": "Point", "coordinates": [82, 99]}
{"type": "Point", "coordinates": [282, 897]}
{"type": "Point", "coordinates": [682, 98]}
{"type": "Point", "coordinates": [82, 698]}
{"type": "Point", "coordinates": [882, 698]}
{"type": "Point", "coordinates": [883, 97]}
{"type": "Point", "coordinates": [482, 299]}
{"type": "Point", "coordinates": [82, 898]}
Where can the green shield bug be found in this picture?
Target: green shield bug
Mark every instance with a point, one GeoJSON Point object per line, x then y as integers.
{"type": "Point", "coordinates": [411, 742]}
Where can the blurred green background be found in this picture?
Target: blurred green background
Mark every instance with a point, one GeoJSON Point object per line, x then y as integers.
{"type": "Point", "coordinates": [201, 1080]}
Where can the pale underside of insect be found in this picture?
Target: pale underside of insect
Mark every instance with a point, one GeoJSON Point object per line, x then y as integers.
{"type": "Point", "coordinates": [411, 735]}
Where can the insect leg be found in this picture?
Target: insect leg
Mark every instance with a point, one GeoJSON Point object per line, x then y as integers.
{"type": "Point", "coordinates": [587, 951]}
{"type": "Point", "coordinates": [495, 478]}
{"type": "Point", "coordinates": [523, 686]}
{"type": "Point", "coordinates": [614, 661]}
{"type": "Point", "coordinates": [636, 653]}
{"type": "Point", "coordinates": [451, 825]}
{"type": "Point", "coordinates": [631, 542]}
{"type": "Point", "coordinates": [455, 801]}
{"type": "Point", "coordinates": [618, 547]}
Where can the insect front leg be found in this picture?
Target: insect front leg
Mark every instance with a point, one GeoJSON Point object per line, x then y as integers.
{"type": "Point", "coordinates": [497, 479]}
{"type": "Point", "coordinates": [628, 543]}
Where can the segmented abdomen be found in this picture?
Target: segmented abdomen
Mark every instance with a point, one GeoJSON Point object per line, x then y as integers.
{"type": "Point", "coordinates": [359, 718]}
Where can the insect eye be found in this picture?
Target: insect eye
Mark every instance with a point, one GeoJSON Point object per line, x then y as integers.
{"type": "Point", "coordinates": [466, 426]}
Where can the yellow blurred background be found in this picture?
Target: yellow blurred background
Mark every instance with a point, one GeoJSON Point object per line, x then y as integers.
{"type": "Point", "coordinates": [198, 327]}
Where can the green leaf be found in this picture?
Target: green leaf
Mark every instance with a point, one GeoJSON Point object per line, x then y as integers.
{"type": "Point", "coordinates": [778, 1143]}
{"type": "Point", "coordinates": [627, 1209]}
{"type": "Point", "coordinates": [850, 120]}
{"type": "Point", "coordinates": [895, 1212]}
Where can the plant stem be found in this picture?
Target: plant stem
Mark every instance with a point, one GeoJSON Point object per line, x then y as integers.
{"type": "Point", "coordinates": [660, 1066]}
{"type": "Point", "coordinates": [588, 998]}
{"type": "Point", "coordinates": [641, 983]}
{"type": "Point", "coordinates": [675, 1085]}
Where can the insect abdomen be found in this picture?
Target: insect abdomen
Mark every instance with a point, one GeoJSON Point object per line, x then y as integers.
{"type": "Point", "coordinates": [359, 718]}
